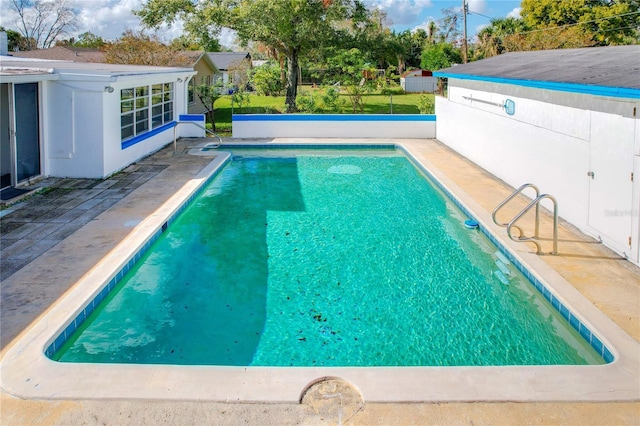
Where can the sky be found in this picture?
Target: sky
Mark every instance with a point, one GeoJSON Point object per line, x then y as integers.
{"type": "Point", "coordinates": [110, 18]}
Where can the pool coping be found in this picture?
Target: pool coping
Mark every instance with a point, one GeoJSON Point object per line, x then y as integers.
{"type": "Point", "coordinates": [27, 373]}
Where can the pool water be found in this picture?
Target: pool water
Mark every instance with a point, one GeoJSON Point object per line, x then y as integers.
{"type": "Point", "coordinates": [309, 258]}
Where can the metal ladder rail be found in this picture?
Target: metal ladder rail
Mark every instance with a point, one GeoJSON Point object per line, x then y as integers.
{"type": "Point", "coordinates": [175, 147]}
{"type": "Point", "coordinates": [509, 198]}
{"type": "Point", "coordinates": [536, 203]}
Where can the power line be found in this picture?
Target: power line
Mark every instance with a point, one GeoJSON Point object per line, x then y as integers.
{"type": "Point", "coordinates": [476, 13]}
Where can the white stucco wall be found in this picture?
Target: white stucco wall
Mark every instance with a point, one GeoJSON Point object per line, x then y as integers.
{"type": "Point", "coordinates": [333, 126]}
{"type": "Point", "coordinates": [551, 146]}
{"type": "Point", "coordinates": [73, 130]}
{"type": "Point", "coordinates": [82, 125]}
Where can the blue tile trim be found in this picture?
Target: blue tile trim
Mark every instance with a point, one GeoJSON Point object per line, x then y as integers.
{"type": "Point", "coordinates": [137, 139]}
{"type": "Point", "coordinates": [587, 89]}
{"type": "Point", "coordinates": [70, 328]}
{"type": "Point", "coordinates": [334, 117]}
{"type": "Point", "coordinates": [574, 321]}
{"type": "Point", "coordinates": [191, 117]}
{"type": "Point", "coordinates": [308, 146]}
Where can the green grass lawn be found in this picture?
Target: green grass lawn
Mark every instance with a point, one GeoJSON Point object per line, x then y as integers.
{"type": "Point", "coordinates": [373, 104]}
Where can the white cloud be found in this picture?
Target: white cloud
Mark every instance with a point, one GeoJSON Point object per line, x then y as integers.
{"type": "Point", "coordinates": [425, 24]}
{"type": "Point", "coordinates": [108, 18]}
{"type": "Point", "coordinates": [479, 6]}
{"type": "Point", "coordinates": [400, 12]}
{"type": "Point", "coordinates": [8, 18]}
{"type": "Point", "coordinates": [515, 13]}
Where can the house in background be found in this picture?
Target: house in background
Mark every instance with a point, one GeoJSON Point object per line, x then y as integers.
{"type": "Point", "coordinates": [86, 120]}
{"type": "Point", "coordinates": [566, 120]}
{"type": "Point", "coordinates": [418, 81]}
{"type": "Point", "coordinates": [230, 65]}
{"type": "Point", "coordinates": [206, 71]}
{"type": "Point", "coordinates": [199, 61]}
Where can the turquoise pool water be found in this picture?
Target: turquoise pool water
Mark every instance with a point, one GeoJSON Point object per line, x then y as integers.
{"type": "Point", "coordinates": [310, 258]}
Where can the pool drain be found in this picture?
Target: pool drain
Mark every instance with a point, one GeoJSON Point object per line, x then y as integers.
{"type": "Point", "coordinates": [332, 399]}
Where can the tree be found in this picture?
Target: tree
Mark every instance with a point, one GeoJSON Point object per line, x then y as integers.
{"type": "Point", "coordinates": [291, 27]}
{"type": "Point", "coordinates": [440, 55]}
{"type": "Point", "coordinates": [448, 26]}
{"type": "Point", "coordinates": [349, 68]}
{"type": "Point", "coordinates": [15, 41]}
{"type": "Point", "coordinates": [491, 39]}
{"type": "Point", "coordinates": [208, 95]}
{"type": "Point", "coordinates": [432, 30]}
{"type": "Point", "coordinates": [143, 49]}
{"type": "Point", "coordinates": [85, 40]}
{"type": "Point", "coordinates": [266, 79]}
{"type": "Point", "coordinates": [184, 43]}
{"type": "Point", "coordinates": [605, 22]}
{"type": "Point", "coordinates": [41, 22]}
{"type": "Point", "coordinates": [552, 38]}
{"type": "Point", "coordinates": [89, 39]}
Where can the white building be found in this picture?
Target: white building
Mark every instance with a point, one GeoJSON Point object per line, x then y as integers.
{"type": "Point", "coordinates": [89, 120]}
{"type": "Point", "coordinates": [565, 120]}
{"type": "Point", "coordinates": [418, 81]}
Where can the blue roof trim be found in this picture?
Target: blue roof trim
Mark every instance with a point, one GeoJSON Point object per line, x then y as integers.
{"type": "Point", "coordinates": [137, 139]}
{"type": "Point", "coordinates": [191, 117]}
{"type": "Point", "coordinates": [334, 117]}
{"type": "Point", "coordinates": [587, 89]}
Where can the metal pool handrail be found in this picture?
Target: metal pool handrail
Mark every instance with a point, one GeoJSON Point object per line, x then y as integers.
{"type": "Point", "coordinates": [536, 203]}
{"type": "Point", "coordinates": [175, 146]}
{"type": "Point", "coordinates": [509, 198]}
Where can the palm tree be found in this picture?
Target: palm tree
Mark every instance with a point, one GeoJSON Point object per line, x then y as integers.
{"type": "Point", "coordinates": [432, 29]}
{"type": "Point", "coordinates": [491, 39]}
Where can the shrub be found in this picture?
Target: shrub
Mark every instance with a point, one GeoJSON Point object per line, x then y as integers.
{"type": "Point", "coordinates": [267, 79]}
{"type": "Point", "coordinates": [426, 104]}
{"type": "Point", "coordinates": [305, 102]}
{"type": "Point", "coordinates": [331, 99]}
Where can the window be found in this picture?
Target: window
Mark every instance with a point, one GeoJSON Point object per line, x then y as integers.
{"type": "Point", "coordinates": [145, 107]}
{"type": "Point", "coordinates": [192, 90]}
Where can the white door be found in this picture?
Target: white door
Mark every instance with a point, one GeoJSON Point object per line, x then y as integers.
{"type": "Point", "coordinates": [610, 179]}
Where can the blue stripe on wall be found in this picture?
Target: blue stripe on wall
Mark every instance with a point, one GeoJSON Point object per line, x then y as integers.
{"type": "Point", "coordinates": [137, 139]}
{"type": "Point", "coordinates": [334, 117]}
{"type": "Point", "coordinates": [587, 89]}
{"type": "Point", "coordinates": [191, 117]}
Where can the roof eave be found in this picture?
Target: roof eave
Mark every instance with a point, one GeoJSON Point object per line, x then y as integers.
{"type": "Point", "coordinates": [589, 89]}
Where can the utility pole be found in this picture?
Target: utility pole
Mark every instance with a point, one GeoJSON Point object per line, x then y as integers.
{"type": "Point", "coordinates": [464, 39]}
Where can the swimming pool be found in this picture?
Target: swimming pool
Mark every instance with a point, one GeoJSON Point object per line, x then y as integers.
{"type": "Point", "coordinates": [28, 373]}
{"type": "Point", "coordinates": [324, 258]}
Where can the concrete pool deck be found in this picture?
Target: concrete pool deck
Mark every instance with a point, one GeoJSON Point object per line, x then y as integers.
{"type": "Point", "coordinates": [609, 282]}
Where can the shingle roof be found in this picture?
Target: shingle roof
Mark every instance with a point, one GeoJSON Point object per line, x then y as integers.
{"type": "Point", "coordinates": [64, 53]}
{"type": "Point", "coordinates": [610, 66]}
{"type": "Point", "coordinates": [224, 60]}
{"type": "Point", "coordinates": [79, 54]}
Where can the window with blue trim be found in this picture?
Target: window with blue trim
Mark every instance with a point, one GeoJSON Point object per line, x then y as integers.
{"type": "Point", "coordinates": [145, 107]}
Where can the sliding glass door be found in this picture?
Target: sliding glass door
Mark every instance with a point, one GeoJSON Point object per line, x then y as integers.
{"type": "Point", "coordinates": [27, 133]}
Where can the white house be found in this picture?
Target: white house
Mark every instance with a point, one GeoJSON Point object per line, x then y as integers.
{"type": "Point", "coordinates": [89, 120]}
{"type": "Point", "coordinates": [418, 81]}
{"type": "Point", "coordinates": [565, 120]}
